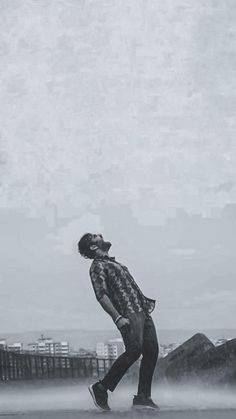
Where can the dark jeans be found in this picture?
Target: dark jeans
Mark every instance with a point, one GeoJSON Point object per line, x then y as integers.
{"type": "Point", "coordinates": [140, 339]}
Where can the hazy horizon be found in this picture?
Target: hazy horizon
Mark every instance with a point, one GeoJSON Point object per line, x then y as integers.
{"type": "Point", "coordinates": [88, 339]}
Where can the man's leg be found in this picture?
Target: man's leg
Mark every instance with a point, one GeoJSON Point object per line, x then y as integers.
{"type": "Point", "coordinates": [150, 352]}
{"type": "Point", "coordinates": [133, 340]}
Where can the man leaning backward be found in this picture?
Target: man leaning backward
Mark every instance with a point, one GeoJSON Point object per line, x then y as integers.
{"type": "Point", "coordinates": [120, 296]}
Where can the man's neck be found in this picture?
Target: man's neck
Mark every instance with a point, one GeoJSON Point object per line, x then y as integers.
{"type": "Point", "coordinates": [101, 253]}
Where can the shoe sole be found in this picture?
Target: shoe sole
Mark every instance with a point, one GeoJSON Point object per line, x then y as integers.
{"type": "Point", "coordinates": [90, 388]}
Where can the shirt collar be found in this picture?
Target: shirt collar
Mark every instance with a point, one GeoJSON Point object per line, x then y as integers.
{"type": "Point", "coordinates": [105, 257]}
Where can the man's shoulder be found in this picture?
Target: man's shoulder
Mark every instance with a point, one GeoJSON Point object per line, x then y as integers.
{"type": "Point", "coordinates": [96, 265]}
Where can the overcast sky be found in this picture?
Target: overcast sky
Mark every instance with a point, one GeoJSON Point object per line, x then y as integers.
{"type": "Point", "coordinates": [117, 117]}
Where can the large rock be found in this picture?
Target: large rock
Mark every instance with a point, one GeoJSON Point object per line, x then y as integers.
{"type": "Point", "coordinates": [183, 360]}
{"type": "Point", "coordinates": [199, 359]}
{"type": "Point", "coordinates": [218, 365]}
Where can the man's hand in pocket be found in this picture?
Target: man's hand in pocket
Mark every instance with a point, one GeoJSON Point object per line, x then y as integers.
{"type": "Point", "coordinates": [123, 322]}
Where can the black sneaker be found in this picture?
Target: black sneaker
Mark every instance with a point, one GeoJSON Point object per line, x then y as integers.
{"type": "Point", "coordinates": [142, 402]}
{"type": "Point", "coordinates": [99, 395]}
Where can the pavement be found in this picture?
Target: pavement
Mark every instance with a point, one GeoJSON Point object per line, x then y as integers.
{"type": "Point", "coordinates": [70, 399]}
{"type": "Point", "coordinates": [92, 414]}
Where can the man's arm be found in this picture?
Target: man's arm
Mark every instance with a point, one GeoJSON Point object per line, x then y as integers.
{"type": "Point", "coordinates": [98, 278]}
{"type": "Point", "coordinates": [110, 309]}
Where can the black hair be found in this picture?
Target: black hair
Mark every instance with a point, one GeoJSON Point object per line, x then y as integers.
{"type": "Point", "coordinates": [84, 246]}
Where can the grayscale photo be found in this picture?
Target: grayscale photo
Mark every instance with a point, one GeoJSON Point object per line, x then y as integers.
{"type": "Point", "coordinates": [118, 209]}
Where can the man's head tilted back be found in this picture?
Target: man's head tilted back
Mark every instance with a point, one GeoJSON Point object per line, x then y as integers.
{"type": "Point", "coordinates": [92, 245]}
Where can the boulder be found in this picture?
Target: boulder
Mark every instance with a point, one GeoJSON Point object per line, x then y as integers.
{"type": "Point", "coordinates": [219, 365]}
{"type": "Point", "coordinates": [198, 359]}
{"type": "Point", "coordinates": [182, 361]}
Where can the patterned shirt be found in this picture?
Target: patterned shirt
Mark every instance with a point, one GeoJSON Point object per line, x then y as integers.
{"type": "Point", "coordinates": [114, 279]}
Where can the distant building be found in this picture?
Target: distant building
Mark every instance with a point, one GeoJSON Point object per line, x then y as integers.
{"type": "Point", "coordinates": [61, 348]}
{"type": "Point", "coordinates": [15, 347]}
{"type": "Point", "coordinates": [102, 350]}
{"type": "Point", "coordinates": [112, 349]}
{"type": "Point", "coordinates": [85, 353]}
{"type": "Point", "coordinates": [3, 344]}
{"type": "Point", "coordinates": [47, 346]}
{"type": "Point", "coordinates": [115, 347]}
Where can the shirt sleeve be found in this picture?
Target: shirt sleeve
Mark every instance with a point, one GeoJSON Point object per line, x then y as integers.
{"type": "Point", "coordinates": [98, 279]}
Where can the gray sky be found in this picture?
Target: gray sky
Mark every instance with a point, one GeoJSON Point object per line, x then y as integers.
{"type": "Point", "coordinates": [119, 117]}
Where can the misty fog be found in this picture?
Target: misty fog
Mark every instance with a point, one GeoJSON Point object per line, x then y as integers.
{"type": "Point", "coordinates": [71, 396]}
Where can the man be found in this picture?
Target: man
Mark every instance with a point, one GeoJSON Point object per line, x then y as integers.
{"type": "Point", "coordinates": [122, 299]}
